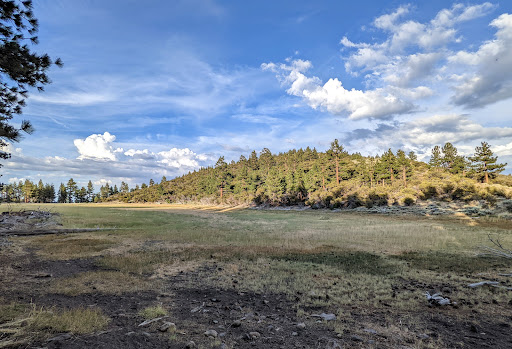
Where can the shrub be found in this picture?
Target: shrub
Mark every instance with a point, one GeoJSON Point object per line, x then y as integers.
{"type": "Point", "coordinates": [409, 201]}
{"type": "Point", "coordinates": [428, 191]}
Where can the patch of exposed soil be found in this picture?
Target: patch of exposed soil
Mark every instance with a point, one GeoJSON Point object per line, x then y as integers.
{"type": "Point", "coordinates": [244, 319]}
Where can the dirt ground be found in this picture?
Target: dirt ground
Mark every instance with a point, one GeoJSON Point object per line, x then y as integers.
{"type": "Point", "coordinates": [200, 315]}
{"type": "Point", "coordinates": [241, 320]}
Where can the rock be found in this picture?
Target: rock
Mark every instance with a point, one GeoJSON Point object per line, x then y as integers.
{"type": "Point", "coordinates": [423, 336]}
{"type": "Point", "coordinates": [211, 333]}
{"type": "Point", "coordinates": [254, 335]}
{"type": "Point", "coordinates": [191, 345]}
{"type": "Point", "coordinates": [301, 325]}
{"type": "Point", "coordinates": [356, 338]}
{"type": "Point", "coordinates": [222, 334]}
{"type": "Point", "coordinates": [149, 322]}
{"type": "Point", "coordinates": [437, 299]}
{"type": "Point", "coordinates": [333, 344]}
{"type": "Point", "coordinates": [61, 337]}
{"type": "Point", "coordinates": [167, 326]}
{"type": "Point", "coordinates": [482, 283]}
{"type": "Point", "coordinates": [325, 317]}
{"type": "Point", "coordinates": [370, 330]}
{"type": "Point", "coordinates": [295, 334]}
{"type": "Point", "coordinates": [236, 323]}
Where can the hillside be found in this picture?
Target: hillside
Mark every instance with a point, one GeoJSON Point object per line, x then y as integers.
{"type": "Point", "coordinates": [329, 179]}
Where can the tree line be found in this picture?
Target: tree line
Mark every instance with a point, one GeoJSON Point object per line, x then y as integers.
{"type": "Point", "coordinates": [306, 174]}
{"type": "Point", "coordinates": [31, 192]}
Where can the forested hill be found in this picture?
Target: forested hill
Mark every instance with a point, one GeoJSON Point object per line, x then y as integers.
{"type": "Point", "coordinates": [335, 178]}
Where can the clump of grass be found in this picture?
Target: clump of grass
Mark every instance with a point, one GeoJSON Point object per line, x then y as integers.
{"type": "Point", "coordinates": [153, 312]}
{"type": "Point", "coordinates": [450, 262]}
{"type": "Point", "coordinates": [106, 282]}
{"type": "Point", "coordinates": [78, 320]}
{"type": "Point", "coordinates": [140, 262]}
{"type": "Point", "coordinates": [31, 323]}
{"type": "Point", "coordinates": [351, 262]}
{"type": "Point", "coordinates": [69, 247]}
{"type": "Point", "coordinates": [9, 312]}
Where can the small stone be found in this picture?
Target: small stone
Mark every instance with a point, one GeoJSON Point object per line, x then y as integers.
{"type": "Point", "coordinates": [62, 337]}
{"type": "Point", "coordinates": [222, 334]}
{"type": "Point", "coordinates": [295, 334]}
{"type": "Point", "coordinates": [301, 325]}
{"type": "Point", "coordinates": [325, 317]}
{"type": "Point", "coordinates": [211, 333]}
{"type": "Point", "coordinates": [265, 301]}
{"type": "Point", "coordinates": [236, 323]}
{"type": "Point", "coordinates": [370, 330]}
{"type": "Point", "coordinates": [131, 333]}
{"type": "Point", "coordinates": [254, 335]}
{"type": "Point", "coordinates": [215, 321]}
{"type": "Point", "coordinates": [356, 338]}
{"type": "Point", "coordinates": [167, 326]}
{"type": "Point", "coordinates": [423, 336]}
{"type": "Point", "coordinates": [191, 345]}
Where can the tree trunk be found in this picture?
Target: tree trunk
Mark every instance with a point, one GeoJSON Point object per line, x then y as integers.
{"type": "Point", "coordinates": [486, 175]}
{"type": "Point", "coordinates": [391, 174]}
{"type": "Point", "coordinates": [337, 171]}
{"type": "Point", "coordinates": [404, 176]}
{"type": "Point", "coordinates": [221, 192]}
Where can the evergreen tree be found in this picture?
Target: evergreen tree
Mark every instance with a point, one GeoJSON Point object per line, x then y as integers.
{"type": "Point", "coordinates": [63, 194]}
{"type": "Point", "coordinates": [20, 68]}
{"type": "Point", "coordinates": [336, 151]}
{"type": "Point", "coordinates": [404, 163]}
{"type": "Point", "coordinates": [90, 191]}
{"type": "Point", "coordinates": [435, 158]}
{"type": "Point", "coordinates": [151, 182]}
{"type": "Point", "coordinates": [484, 164]}
{"type": "Point", "coordinates": [71, 189]}
{"type": "Point", "coordinates": [125, 188]}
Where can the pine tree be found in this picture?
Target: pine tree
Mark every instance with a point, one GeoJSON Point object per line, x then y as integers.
{"type": "Point", "coordinates": [435, 158]}
{"type": "Point", "coordinates": [336, 151]}
{"type": "Point", "coordinates": [20, 68]}
{"type": "Point", "coordinates": [404, 163]}
{"type": "Point", "coordinates": [63, 194]}
{"type": "Point", "coordinates": [90, 191]}
{"type": "Point", "coordinates": [484, 163]}
{"type": "Point", "coordinates": [71, 189]}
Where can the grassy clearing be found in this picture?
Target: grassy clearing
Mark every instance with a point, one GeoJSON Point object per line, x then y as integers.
{"type": "Point", "coordinates": [323, 261]}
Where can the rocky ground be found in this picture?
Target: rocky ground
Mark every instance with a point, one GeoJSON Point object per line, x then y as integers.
{"type": "Point", "coordinates": [502, 208]}
{"type": "Point", "coordinates": [201, 316]}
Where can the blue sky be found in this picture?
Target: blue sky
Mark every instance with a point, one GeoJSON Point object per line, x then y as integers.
{"type": "Point", "coordinates": [164, 87]}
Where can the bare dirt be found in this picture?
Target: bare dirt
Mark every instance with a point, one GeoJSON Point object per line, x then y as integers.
{"type": "Point", "coordinates": [240, 319]}
{"type": "Point", "coordinates": [237, 319]}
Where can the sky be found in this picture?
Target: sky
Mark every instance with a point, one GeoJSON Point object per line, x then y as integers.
{"type": "Point", "coordinates": [160, 88]}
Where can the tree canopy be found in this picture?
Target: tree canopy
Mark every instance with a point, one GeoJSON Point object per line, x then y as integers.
{"type": "Point", "coordinates": [20, 67]}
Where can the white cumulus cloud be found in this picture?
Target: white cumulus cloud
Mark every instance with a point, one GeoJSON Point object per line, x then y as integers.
{"type": "Point", "coordinates": [96, 147]}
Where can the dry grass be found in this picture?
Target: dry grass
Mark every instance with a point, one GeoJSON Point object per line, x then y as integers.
{"type": "Point", "coordinates": [71, 246]}
{"type": "Point", "coordinates": [336, 261]}
{"type": "Point", "coordinates": [31, 323]}
{"type": "Point", "coordinates": [153, 312]}
{"type": "Point", "coordinates": [106, 282]}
